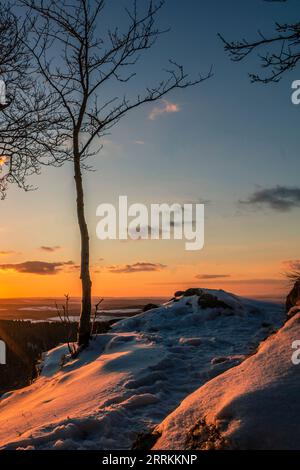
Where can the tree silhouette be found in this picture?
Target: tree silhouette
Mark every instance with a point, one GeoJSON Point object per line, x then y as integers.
{"type": "Point", "coordinates": [282, 54]}
{"type": "Point", "coordinates": [24, 117]}
{"type": "Point", "coordinates": [12, 58]}
{"type": "Point", "coordinates": [280, 51]}
{"type": "Point", "coordinates": [76, 59]}
{"type": "Point", "coordinates": [12, 67]}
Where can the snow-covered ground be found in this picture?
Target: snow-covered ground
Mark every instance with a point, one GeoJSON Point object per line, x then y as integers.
{"type": "Point", "coordinates": [252, 406]}
{"type": "Point", "coordinates": [132, 378]}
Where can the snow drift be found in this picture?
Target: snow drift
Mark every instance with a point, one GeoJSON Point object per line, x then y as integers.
{"type": "Point", "coordinates": [252, 406]}
{"type": "Point", "coordinates": [130, 379]}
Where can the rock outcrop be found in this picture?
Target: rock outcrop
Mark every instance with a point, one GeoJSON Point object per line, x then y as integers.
{"type": "Point", "coordinates": [293, 300]}
{"type": "Point", "coordinates": [205, 300]}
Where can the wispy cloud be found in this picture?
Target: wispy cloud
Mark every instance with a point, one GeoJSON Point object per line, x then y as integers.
{"type": "Point", "coordinates": [212, 276]}
{"type": "Point", "coordinates": [50, 249]}
{"type": "Point", "coordinates": [6, 253]}
{"type": "Point", "coordinates": [73, 267]}
{"type": "Point", "coordinates": [243, 282]}
{"type": "Point", "coordinates": [280, 198]}
{"type": "Point", "coordinates": [166, 108]}
{"type": "Point", "coordinates": [136, 268]}
{"type": "Point", "coordinates": [36, 267]}
{"type": "Point", "coordinates": [139, 142]}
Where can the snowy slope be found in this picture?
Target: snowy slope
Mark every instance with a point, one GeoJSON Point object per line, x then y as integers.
{"type": "Point", "coordinates": [252, 406]}
{"type": "Point", "coordinates": [133, 377]}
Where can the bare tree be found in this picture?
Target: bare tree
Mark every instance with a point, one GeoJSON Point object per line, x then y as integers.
{"type": "Point", "coordinates": [29, 110]}
{"type": "Point", "coordinates": [12, 67]}
{"type": "Point", "coordinates": [279, 53]}
{"type": "Point", "coordinates": [12, 55]}
{"type": "Point", "coordinates": [77, 59]}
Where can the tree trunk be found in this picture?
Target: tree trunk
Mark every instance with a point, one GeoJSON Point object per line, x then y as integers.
{"type": "Point", "coordinates": [84, 330]}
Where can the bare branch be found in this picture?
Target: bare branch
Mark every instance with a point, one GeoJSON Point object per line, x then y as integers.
{"type": "Point", "coordinates": [281, 51]}
{"type": "Point", "coordinates": [71, 107]}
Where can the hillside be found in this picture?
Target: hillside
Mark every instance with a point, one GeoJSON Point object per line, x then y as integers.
{"type": "Point", "coordinates": [131, 378]}
{"type": "Point", "coordinates": [252, 406]}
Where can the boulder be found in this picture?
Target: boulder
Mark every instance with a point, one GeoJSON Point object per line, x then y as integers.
{"type": "Point", "coordinates": [193, 291]}
{"type": "Point", "coordinates": [293, 311]}
{"type": "Point", "coordinates": [293, 298]}
{"type": "Point", "coordinates": [205, 300]}
{"type": "Point", "coordinates": [210, 301]}
{"type": "Point", "coordinates": [179, 293]}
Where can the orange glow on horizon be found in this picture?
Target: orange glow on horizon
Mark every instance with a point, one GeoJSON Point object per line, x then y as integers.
{"type": "Point", "coordinates": [158, 284]}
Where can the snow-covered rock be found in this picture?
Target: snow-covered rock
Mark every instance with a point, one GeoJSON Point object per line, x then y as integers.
{"type": "Point", "coordinates": [130, 379]}
{"type": "Point", "coordinates": [252, 406]}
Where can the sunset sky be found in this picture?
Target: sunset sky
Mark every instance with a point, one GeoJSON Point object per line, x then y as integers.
{"type": "Point", "coordinates": [227, 142]}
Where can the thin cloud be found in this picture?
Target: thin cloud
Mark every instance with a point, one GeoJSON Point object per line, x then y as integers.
{"type": "Point", "coordinates": [139, 142]}
{"type": "Point", "coordinates": [73, 267]}
{"type": "Point", "coordinates": [136, 268]}
{"type": "Point", "coordinates": [212, 276]}
{"type": "Point", "coordinates": [50, 249]}
{"type": "Point", "coordinates": [244, 282]}
{"type": "Point", "coordinates": [36, 267]}
{"type": "Point", "coordinates": [6, 253]}
{"type": "Point", "coordinates": [143, 229]}
{"type": "Point", "coordinates": [166, 108]}
{"type": "Point", "coordinates": [280, 198]}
